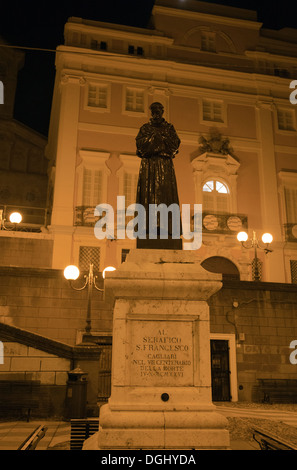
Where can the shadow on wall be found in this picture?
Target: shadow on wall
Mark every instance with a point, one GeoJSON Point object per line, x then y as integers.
{"type": "Point", "coordinates": [221, 265]}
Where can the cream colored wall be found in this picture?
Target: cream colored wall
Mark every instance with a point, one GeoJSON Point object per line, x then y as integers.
{"type": "Point", "coordinates": [250, 124]}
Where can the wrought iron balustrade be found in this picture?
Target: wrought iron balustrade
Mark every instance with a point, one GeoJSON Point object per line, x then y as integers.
{"type": "Point", "coordinates": [33, 218]}
{"type": "Point", "coordinates": [84, 216]}
{"type": "Point", "coordinates": [223, 223]}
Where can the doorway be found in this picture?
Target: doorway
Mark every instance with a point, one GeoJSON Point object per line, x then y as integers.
{"type": "Point", "coordinates": [220, 370]}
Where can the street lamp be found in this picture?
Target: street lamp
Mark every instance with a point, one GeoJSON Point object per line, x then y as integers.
{"type": "Point", "coordinates": [109, 268]}
{"type": "Point", "coordinates": [255, 244]}
{"type": "Point", "coordinates": [14, 218]}
{"type": "Point", "coordinates": [71, 273]}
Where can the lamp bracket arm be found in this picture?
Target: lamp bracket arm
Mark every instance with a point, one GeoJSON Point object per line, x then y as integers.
{"type": "Point", "coordinates": [96, 287]}
{"type": "Point", "coordinates": [79, 288]}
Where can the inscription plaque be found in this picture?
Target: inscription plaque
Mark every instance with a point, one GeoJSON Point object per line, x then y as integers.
{"type": "Point", "coordinates": [161, 353]}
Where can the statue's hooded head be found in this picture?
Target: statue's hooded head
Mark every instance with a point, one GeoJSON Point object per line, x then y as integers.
{"type": "Point", "coordinates": [157, 110]}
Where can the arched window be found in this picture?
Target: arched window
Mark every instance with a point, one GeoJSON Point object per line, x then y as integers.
{"type": "Point", "coordinates": [216, 196]}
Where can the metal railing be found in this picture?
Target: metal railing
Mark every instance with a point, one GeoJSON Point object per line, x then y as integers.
{"type": "Point", "coordinates": [223, 223]}
{"type": "Point", "coordinates": [33, 218]}
{"type": "Point", "coordinates": [268, 441]}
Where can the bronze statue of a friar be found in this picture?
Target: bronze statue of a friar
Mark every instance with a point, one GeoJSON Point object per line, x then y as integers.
{"type": "Point", "coordinates": [157, 144]}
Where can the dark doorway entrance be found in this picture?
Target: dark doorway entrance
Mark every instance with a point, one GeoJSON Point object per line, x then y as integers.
{"type": "Point", "coordinates": [220, 373]}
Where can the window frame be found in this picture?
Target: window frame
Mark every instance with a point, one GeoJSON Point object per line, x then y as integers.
{"type": "Point", "coordinates": [98, 109]}
{"type": "Point", "coordinates": [208, 36]}
{"type": "Point", "coordinates": [210, 166]}
{"type": "Point", "coordinates": [288, 180]}
{"type": "Point", "coordinates": [130, 112]}
{"type": "Point", "coordinates": [212, 101]}
{"type": "Point", "coordinates": [228, 195]}
{"type": "Point", "coordinates": [91, 160]}
{"type": "Point", "coordinates": [130, 165]}
{"type": "Point", "coordinates": [276, 118]}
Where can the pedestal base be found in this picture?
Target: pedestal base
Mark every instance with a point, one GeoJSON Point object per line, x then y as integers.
{"type": "Point", "coordinates": [160, 430]}
{"type": "Point", "coordinates": [161, 375]}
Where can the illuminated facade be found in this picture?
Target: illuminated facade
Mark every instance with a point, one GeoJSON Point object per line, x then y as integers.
{"type": "Point", "coordinates": [224, 83]}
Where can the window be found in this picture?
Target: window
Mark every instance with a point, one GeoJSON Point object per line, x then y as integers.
{"type": "Point", "coordinates": [92, 184]}
{"type": "Point", "coordinates": [215, 197]}
{"type": "Point", "coordinates": [130, 187]}
{"type": "Point", "coordinates": [293, 266]}
{"type": "Point", "coordinates": [286, 120]}
{"type": "Point", "coordinates": [208, 41]}
{"type": "Point", "coordinates": [291, 205]}
{"type": "Point", "coordinates": [89, 255]}
{"type": "Point", "coordinates": [134, 100]}
{"type": "Point", "coordinates": [212, 111]}
{"type": "Point", "coordinates": [135, 50]}
{"type": "Point", "coordinates": [97, 96]}
{"type": "Point", "coordinates": [102, 45]}
{"type": "Point", "coordinates": [128, 178]}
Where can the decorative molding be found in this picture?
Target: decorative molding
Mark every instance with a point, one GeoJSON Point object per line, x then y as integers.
{"type": "Point", "coordinates": [207, 17]}
{"type": "Point", "coordinates": [215, 143]}
{"type": "Point", "coordinates": [72, 78]}
{"type": "Point", "coordinates": [216, 163]}
{"type": "Point", "coordinates": [265, 104]}
{"type": "Point", "coordinates": [196, 29]}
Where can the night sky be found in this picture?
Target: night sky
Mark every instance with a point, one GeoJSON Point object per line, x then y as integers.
{"type": "Point", "coordinates": [25, 24]}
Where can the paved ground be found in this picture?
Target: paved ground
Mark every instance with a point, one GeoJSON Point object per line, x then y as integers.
{"type": "Point", "coordinates": [57, 437]}
{"type": "Point", "coordinates": [13, 434]}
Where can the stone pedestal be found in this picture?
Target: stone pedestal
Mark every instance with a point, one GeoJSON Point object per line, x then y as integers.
{"type": "Point", "coordinates": [161, 375]}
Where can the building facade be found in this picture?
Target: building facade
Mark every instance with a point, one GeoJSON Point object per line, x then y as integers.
{"type": "Point", "coordinates": [225, 86]}
{"type": "Point", "coordinates": [23, 176]}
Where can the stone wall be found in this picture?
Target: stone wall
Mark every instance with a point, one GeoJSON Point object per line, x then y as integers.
{"type": "Point", "coordinates": [30, 357]}
{"type": "Point", "coordinates": [42, 301]}
{"type": "Point", "coordinates": [23, 362]}
{"type": "Point", "coordinates": [23, 250]}
{"type": "Point", "coordinates": [263, 317]}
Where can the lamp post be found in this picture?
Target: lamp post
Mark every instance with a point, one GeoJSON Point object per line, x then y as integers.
{"type": "Point", "coordinates": [254, 243]}
{"type": "Point", "coordinates": [14, 218]}
{"type": "Point", "coordinates": [71, 273]}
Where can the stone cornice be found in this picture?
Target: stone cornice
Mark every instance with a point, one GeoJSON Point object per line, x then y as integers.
{"type": "Point", "coordinates": [252, 285]}
{"type": "Point", "coordinates": [207, 17]}
{"type": "Point", "coordinates": [110, 31]}
{"type": "Point", "coordinates": [29, 272]}
{"type": "Point", "coordinates": [270, 56]}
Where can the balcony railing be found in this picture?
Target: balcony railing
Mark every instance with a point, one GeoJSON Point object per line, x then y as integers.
{"type": "Point", "coordinates": [84, 216]}
{"type": "Point", "coordinates": [211, 222]}
{"type": "Point", "coordinates": [291, 232]}
{"type": "Point", "coordinates": [33, 218]}
{"type": "Point", "coordinates": [223, 223]}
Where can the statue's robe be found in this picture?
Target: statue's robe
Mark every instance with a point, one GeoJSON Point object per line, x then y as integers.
{"type": "Point", "coordinates": [157, 145]}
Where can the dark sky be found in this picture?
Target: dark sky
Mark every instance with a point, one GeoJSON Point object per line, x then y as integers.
{"type": "Point", "coordinates": [24, 23]}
